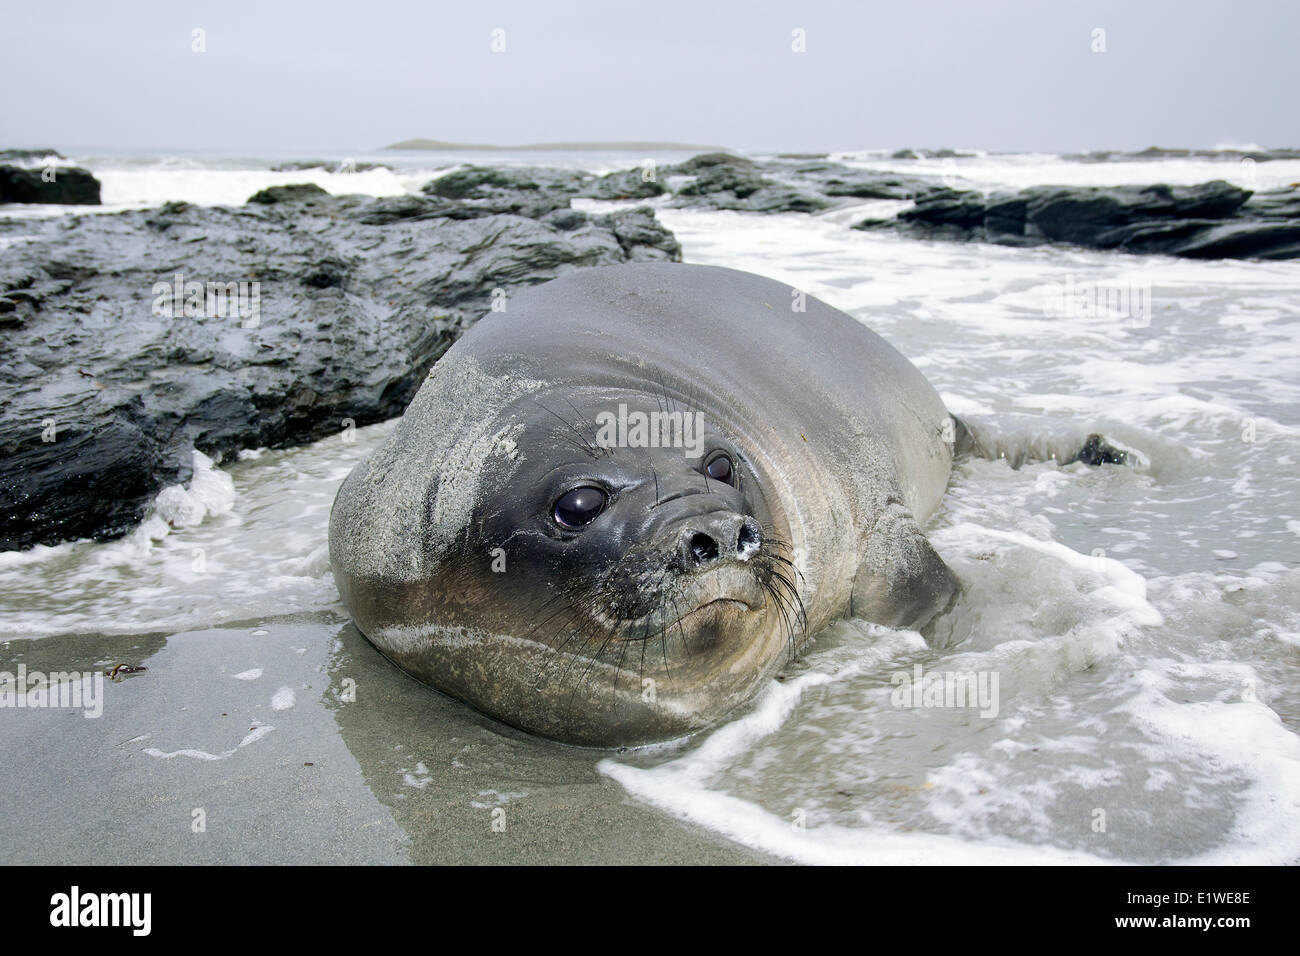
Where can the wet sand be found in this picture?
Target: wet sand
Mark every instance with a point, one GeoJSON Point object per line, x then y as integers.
{"type": "Point", "coordinates": [400, 774]}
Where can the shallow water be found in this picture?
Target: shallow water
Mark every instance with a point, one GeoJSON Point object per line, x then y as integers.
{"type": "Point", "coordinates": [1142, 624]}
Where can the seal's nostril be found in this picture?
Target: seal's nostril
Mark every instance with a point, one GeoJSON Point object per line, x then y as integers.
{"type": "Point", "coordinates": [749, 540]}
{"type": "Point", "coordinates": [703, 548]}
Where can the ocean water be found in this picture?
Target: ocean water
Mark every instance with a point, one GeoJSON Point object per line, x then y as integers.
{"type": "Point", "coordinates": [1142, 624]}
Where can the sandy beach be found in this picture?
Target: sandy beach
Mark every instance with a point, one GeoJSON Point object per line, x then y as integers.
{"type": "Point", "coordinates": [400, 775]}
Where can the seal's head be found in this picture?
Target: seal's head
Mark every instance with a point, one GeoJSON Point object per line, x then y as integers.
{"type": "Point", "coordinates": [598, 565]}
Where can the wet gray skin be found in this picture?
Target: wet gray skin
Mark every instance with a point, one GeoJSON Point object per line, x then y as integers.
{"type": "Point", "coordinates": [507, 549]}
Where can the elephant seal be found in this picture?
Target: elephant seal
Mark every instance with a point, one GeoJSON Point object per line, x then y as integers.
{"type": "Point", "coordinates": [615, 509]}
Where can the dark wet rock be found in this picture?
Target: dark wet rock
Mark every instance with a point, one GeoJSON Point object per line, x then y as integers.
{"type": "Point", "coordinates": [841, 182]}
{"type": "Point", "coordinates": [390, 209]}
{"type": "Point", "coordinates": [521, 191]}
{"type": "Point", "coordinates": [1086, 215]}
{"type": "Point", "coordinates": [781, 199]}
{"type": "Point", "coordinates": [872, 186]}
{"type": "Point", "coordinates": [66, 185]}
{"type": "Point", "coordinates": [294, 192]}
{"type": "Point", "coordinates": [788, 183]}
{"type": "Point", "coordinates": [641, 235]}
{"type": "Point", "coordinates": [932, 154]}
{"type": "Point", "coordinates": [624, 184]}
{"type": "Point", "coordinates": [1278, 204]}
{"type": "Point", "coordinates": [355, 299]}
{"type": "Point", "coordinates": [566, 220]}
{"type": "Point", "coordinates": [947, 207]}
{"type": "Point", "coordinates": [28, 155]}
{"type": "Point", "coordinates": [1005, 214]}
{"type": "Point", "coordinates": [1242, 240]}
{"type": "Point", "coordinates": [1209, 220]}
{"type": "Point", "coordinates": [1097, 451]}
{"type": "Point", "coordinates": [708, 160]}
{"type": "Point", "coordinates": [722, 181]}
{"type": "Point", "coordinates": [740, 181]}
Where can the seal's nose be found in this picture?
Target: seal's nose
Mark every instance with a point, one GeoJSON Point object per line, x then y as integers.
{"type": "Point", "coordinates": [720, 536]}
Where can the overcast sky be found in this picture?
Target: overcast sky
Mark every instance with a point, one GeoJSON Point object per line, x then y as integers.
{"type": "Point", "coordinates": [996, 74]}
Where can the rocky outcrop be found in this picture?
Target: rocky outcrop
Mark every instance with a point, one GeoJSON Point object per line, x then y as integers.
{"type": "Point", "coordinates": [844, 183]}
{"type": "Point", "coordinates": [134, 337]}
{"type": "Point", "coordinates": [1158, 152]}
{"type": "Point", "coordinates": [931, 154]}
{"type": "Point", "coordinates": [707, 181]}
{"type": "Point", "coordinates": [625, 184]}
{"type": "Point", "coordinates": [722, 181]}
{"type": "Point", "coordinates": [28, 155]}
{"type": "Point", "coordinates": [522, 191]}
{"type": "Point", "coordinates": [66, 185]}
{"type": "Point", "coordinates": [1212, 220]}
{"type": "Point", "coordinates": [293, 192]}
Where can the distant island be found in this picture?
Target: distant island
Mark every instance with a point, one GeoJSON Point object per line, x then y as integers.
{"type": "Point", "coordinates": [634, 147]}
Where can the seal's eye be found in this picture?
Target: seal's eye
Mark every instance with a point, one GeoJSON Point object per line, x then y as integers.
{"type": "Point", "coordinates": [719, 469]}
{"type": "Point", "coordinates": [579, 507]}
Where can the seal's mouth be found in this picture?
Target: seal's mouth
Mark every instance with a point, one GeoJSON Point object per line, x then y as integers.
{"type": "Point", "coordinates": [677, 591]}
{"type": "Point", "coordinates": [681, 602]}
{"type": "Point", "coordinates": [716, 608]}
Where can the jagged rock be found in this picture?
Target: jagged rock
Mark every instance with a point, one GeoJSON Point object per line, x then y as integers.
{"type": "Point", "coordinates": [932, 154]}
{"type": "Point", "coordinates": [722, 181]}
{"type": "Point", "coordinates": [707, 160]}
{"type": "Point", "coordinates": [65, 185]}
{"type": "Point", "coordinates": [524, 191]}
{"type": "Point", "coordinates": [624, 184]}
{"type": "Point", "coordinates": [294, 192]}
{"type": "Point", "coordinates": [346, 303]}
{"type": "Point", "coordinates": [1275, 204]}
{"type": "Point", "coordinates": [390, 209]}
{"type": "Point", "coordinates": [740, 181]}
{"type": "Point", "coordinates": [947, 207]}
{"type": "Point", "coordinates": [1242, 240]}
{"type": "Point", "coordinates": [28, 155]}
{"type": "Point", "coordinates": [566, 220]}
{"type": "Point", "coordinates": [1209, 220]}
{"type": "Point", "coordinates": [1084, 215]}
{"type": "Point", "coordinates": [641, 235]}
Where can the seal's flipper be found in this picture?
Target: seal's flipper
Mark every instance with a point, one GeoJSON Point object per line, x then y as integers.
{"type": "Point", "coordinates": [978, 441]}
{"type": "Point", "coordinates": [902, 581]}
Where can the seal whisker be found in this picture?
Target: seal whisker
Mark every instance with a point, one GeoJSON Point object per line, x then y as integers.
{"type": "Point", "coordinates": [784, 609]}
{"type": "Point", "coordinates": [586, 445]}
{"type": "Point", "coordinates": [618, 670]}
{"type": "Point", "coordinates": [681, 630]}
{"type": "Point", "coordinates": [595, 435]}
{"type": "Point", "coordinates": [802, 617]}
{"type": "Point", "coordinates": [591, 662]}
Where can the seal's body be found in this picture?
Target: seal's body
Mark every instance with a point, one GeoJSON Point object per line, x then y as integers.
{"type": "Point", "coordinates": [614, 509]}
